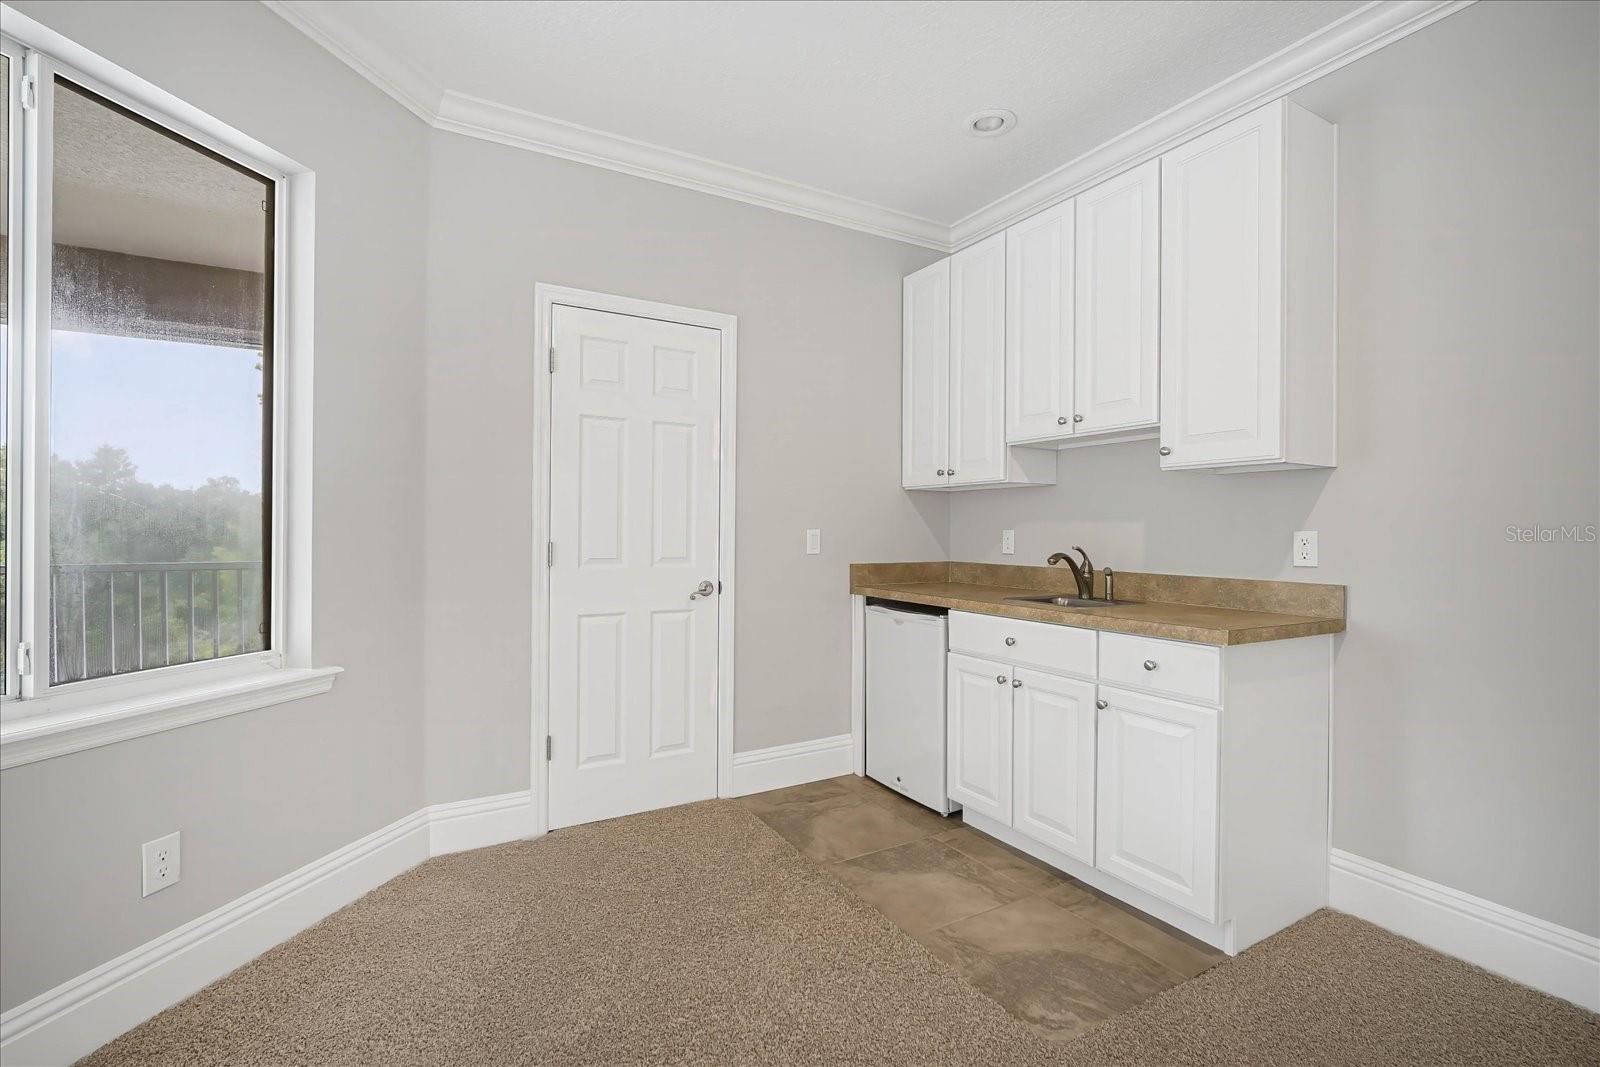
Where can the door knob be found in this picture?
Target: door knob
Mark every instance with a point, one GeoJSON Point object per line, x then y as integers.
{"type": "Point", "coordinates": [1165, 451]}
{"type": "Point", "coordinates": [1077, 418]}
{"type": "Point", "coordinates": [1061, 420]}
{"type": "Point", "coordinates": [1000, 678]}
{"type": "Point", "coordinates": [1102, 704]}
{"type": "Point", "coordinates": [1016, 683]}
{"type": "Point", "coordinates": [940, 473]}
{"type": "Point", "coordinates": [703, 589]}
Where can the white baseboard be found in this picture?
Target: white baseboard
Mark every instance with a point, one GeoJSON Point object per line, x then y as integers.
{"type": "Point", "coordinates": [762, 769]}
{"type": "Point", "coordinates": [477, 823]}
{"type": "Point", "coordinates": [83, 1013]}
{"type": "Point", "coordinates": [1550, 958]}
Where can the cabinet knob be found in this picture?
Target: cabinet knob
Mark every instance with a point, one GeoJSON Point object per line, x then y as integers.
{"type": "Point", "coordinates": [1016, 683]}
{"type": "Point", "coordinates": [940, 473]}
{"type": "Point", "coordinates": [1061, 420]}
{"type": "Point", "coordinates": [951, 472]}
{"type": "Point", "coordinates": [1165, 451]}
{"type": "Point", "coordinates": [1102, 704]}
{"type": "Point", "coordinates": [1011, 640]}
{"type": "Point", "coordinates": [1150, 664]}
{"type": "Point", "coordinates": [1077, 418]}
{"type": "Point", "coordinates": [1000, 678]}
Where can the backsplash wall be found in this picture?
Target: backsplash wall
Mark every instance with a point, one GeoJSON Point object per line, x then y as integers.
{"type": "Point", "coordinates": [1466, 728]}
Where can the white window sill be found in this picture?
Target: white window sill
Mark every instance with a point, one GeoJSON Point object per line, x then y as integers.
{"type": "Point", "coordinates": [53, 732]}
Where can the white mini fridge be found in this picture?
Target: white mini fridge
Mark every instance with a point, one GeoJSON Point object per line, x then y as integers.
{"type": "Point", "coordinates": [905, 702]}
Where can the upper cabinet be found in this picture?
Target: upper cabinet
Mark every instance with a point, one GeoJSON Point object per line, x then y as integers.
{"type": "Point", "coordinates": [1082, 316]}
{"type": "Point", "coordinates": [1248, 295]}
{"type": "Point", "coordinates": [1193, 296]}
{"type": "Point", "coordinates": [953, 418]}
{"type": "Point", "coordinates": [925, 377]}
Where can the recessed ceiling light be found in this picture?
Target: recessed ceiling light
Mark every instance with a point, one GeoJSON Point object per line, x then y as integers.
{"type": "Point", "coordinates": [991, 122]}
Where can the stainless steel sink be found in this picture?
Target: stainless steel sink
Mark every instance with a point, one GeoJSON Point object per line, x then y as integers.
{"type": "Point", "coordinates": [1069, 601]}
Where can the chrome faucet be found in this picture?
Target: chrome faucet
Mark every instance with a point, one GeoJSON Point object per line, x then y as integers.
{"type": "Point", "coordinates": [1083, 574]}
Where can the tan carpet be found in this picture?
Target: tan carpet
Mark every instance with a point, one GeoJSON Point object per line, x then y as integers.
{"type": "Point", "coordinates": [697, 935]}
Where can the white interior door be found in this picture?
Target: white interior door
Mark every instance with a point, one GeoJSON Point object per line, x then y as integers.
{"type": "Point", "coordinates": [633, 518]}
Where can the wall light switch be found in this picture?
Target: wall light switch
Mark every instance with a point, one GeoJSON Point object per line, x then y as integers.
{"type": "Point", "coordinates": [162, 863]}
{"type": "Point", "coordinates": [1008, 542]}
{"type": "Point", "coordinates": [1305, 548]}
{"type": "Point", "coordinates": [813, 542]}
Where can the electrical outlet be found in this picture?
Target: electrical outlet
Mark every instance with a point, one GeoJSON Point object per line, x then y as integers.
{"type": "Point", "coordinates": [1008, 542]}
{"type": "Point", "coordinates": [1305, 548]}
{"type": "Point", "coordinates": [813, 542]}
{"type": "Point", "coordinates": [162, 863]}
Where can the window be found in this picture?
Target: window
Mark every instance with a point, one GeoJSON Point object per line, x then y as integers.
{"type": "Point", "coordinates": [159, 400]}
{"type": "Point", "coordinates": [149, 408]}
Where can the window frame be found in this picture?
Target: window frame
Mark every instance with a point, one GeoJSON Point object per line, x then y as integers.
{"type": "Point", "coordinates": [37, 719]}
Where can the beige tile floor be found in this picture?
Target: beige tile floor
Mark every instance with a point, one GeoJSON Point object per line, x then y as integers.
{"type": "Point", "coordinates": [1057, 954]}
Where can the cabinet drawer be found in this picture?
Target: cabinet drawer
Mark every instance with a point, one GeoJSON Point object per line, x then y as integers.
{"type": "Point", "coordinates": [1063, 649]}
{"type": "Point", "coordinates": [1174, 668]}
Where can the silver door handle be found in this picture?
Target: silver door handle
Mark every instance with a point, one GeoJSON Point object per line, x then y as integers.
{"type": "Point", "coordinates": [1016, 683]}
{"type": "Point", "coordinates": [1000, 679]}
{"type": "Point", "coordinates": [703, 589]}
{"type": "Point", "coordinates": [1102, 704]}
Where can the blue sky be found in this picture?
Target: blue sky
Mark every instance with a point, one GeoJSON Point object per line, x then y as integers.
{"type": "Point", "coordinates": [183, 412]}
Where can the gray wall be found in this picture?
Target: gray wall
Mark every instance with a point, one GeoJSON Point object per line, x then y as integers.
{"type": "Point", "coordinates": [818, 432]}
{"type": "Point", "coordinates": [1466, 705]}
{"type": "Point", "coordinates": [259, 794]}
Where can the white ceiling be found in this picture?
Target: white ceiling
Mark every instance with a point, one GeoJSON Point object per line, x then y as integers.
{"type": "Point", "coordinates": [847, 104]}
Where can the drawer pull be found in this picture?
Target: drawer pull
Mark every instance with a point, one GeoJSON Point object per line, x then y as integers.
{"type": "Point", "coordinates": [1150, 664]}
{"type": "Point", "coordinates": [1102, 704]}
{"type": "Point", "coordinates": [1011, 640]}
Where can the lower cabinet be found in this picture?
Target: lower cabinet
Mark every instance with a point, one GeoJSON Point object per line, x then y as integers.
{"type": "Point", "coordinates": [978, 713]}
{"type": "Point", "coordinates": [1106, 757]}
{"type": "Point", "coordinates": [1052, 766]}
{"type": "Point", "coordinates": [1156, 788]}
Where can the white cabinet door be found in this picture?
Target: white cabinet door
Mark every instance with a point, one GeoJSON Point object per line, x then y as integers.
{"type": "Point", "coordinates": [978, 702]}
{"type": "Point", "coordinates": [925, 377]}
{"type": "Point", "coordinates": [1222, 294]}
{"type": "Point", "coordinates": [1156, 803]}
{"type": "Point", "coordinates": [1118, 305]}
{"type": "Point", "coordinates": [1053, 723]}
{"type": "Point", "coordinates": [1039, 335]}
{"type": "Point", "coordinates": [978, 363]}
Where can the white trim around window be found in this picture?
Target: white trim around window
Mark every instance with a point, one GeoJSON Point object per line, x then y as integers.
{"type": "Point", "coordinates": [41, 721]}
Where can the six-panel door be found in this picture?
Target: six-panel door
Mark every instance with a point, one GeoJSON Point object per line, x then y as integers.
{"type": "Point", "coordinates": [1118, 305]}
{"type": "Point", "coordinates": [1053, 723]}
{"type": "Point", "coordinates": [978, 363]}
{"type": "Point", "coordinates": [979, 724]}
{"type": "Point", "coordinates": [634, 517]}
{"type": "Point", "coordinates": [1221, 294]}
{"type": "Point", "coordinates": [925, 377]}
{"type": "Point", "coordinates": [1156, 798]}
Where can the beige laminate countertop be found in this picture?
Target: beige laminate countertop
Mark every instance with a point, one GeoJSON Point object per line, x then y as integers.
{"type": "Point", "coordinates": [1211, 624]}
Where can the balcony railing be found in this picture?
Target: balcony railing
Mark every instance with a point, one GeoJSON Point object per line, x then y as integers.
{"type": "Point", "coordinates": [112, 618]}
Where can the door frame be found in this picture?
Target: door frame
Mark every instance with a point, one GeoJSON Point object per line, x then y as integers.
{"type": "Point", "coordinates": [546, 298]}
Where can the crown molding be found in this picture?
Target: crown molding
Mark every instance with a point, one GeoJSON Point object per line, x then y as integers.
{"type": "Point", "coordinates": [407, 85]}
{"type": "Point", "coordinates": [1358, 34]}
{"type": "Point", "coordinates": [502, 124]}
